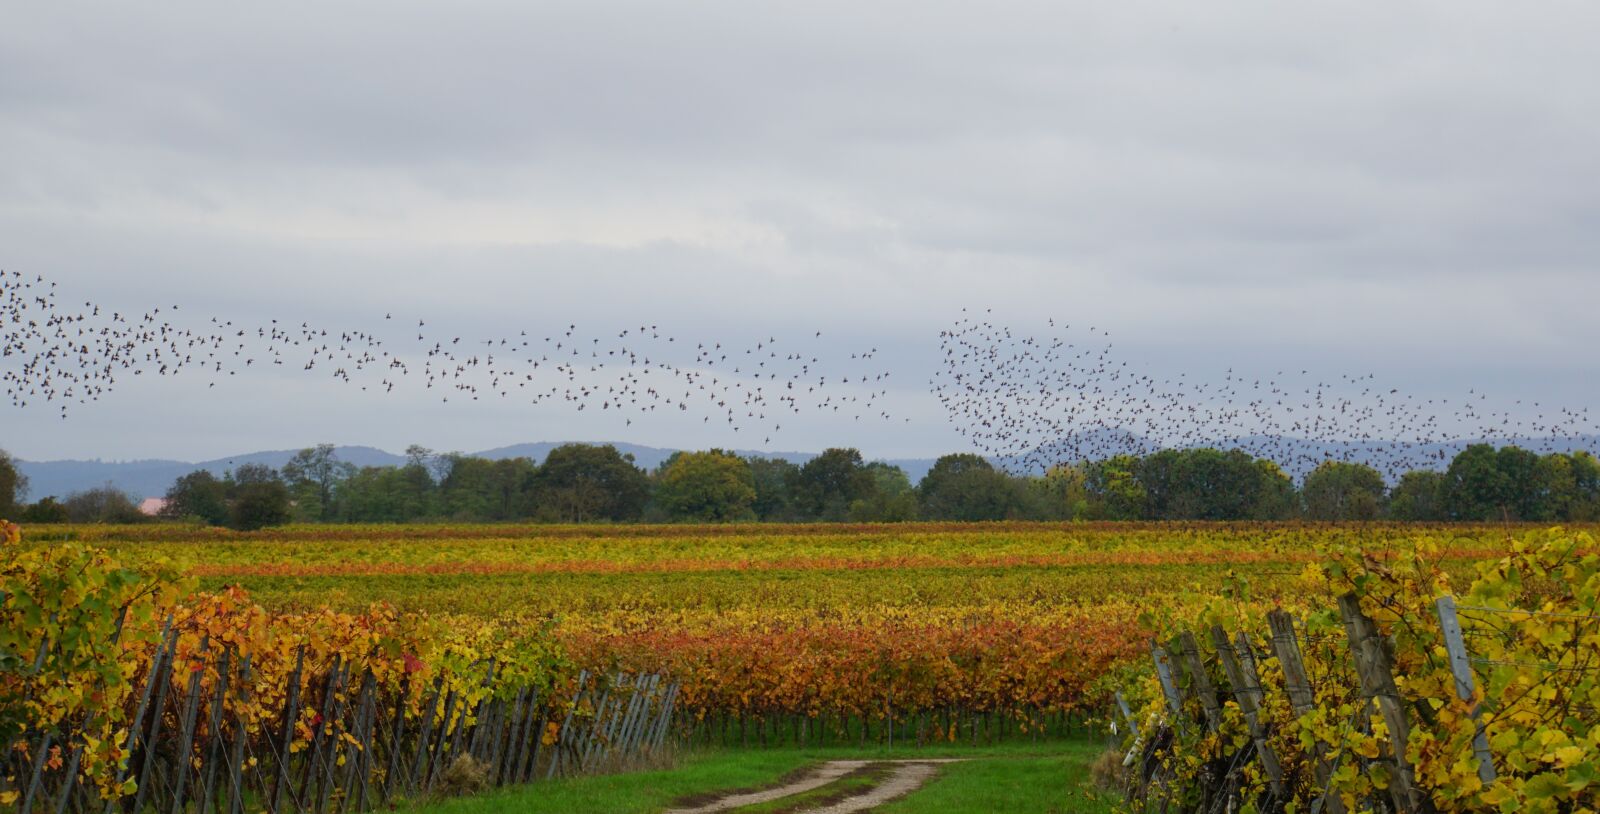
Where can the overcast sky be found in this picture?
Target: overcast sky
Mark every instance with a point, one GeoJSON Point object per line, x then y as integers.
{"type": "Point", "coordinates": [1402, 188]}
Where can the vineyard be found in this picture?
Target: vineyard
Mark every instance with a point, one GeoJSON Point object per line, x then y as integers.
{"type": "Point", "coordinates": [343, 666]}
{"type": "Point", "coordinates": [120, 684]}
{"type": "Point", "coordinates": [1388, 692]}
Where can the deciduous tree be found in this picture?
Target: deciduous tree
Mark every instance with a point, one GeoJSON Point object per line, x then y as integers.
{"type": "Point", "coordinates": [1418, 496]}
{"type": "Point", "coordinates": [581, 482]}
{"type": "Point", "coordinates": [198, 494]}
{"type": "Point", "coordinates": [774, 480]}
{"type": "Point", "coordinates": [713, 486]}
{"type": "Point", "coordinates": [830, 482]}
{"type": "Point", "coordinates": [257, 498]}
{"type": "Point", "coordinates": [1339, 490]}
{"type": "Point", "coordinates": [967, 487]}
{"type": "Point", "coordinates": [313, 476]}
{"type": "Point", "coordinates": [103, 504]}
{"type": "Point", "coordinates": [13, 486]}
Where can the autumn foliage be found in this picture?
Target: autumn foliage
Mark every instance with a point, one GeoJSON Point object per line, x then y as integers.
{"type": "Point", "coordinates": [816, 629]}
{"type": "Point", "coordinates": [1530, 625]}
{"type": "Point", "coordinates": [82, 637]}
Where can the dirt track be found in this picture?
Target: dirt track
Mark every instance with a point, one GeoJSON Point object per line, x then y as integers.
{"type": "Point", "coordinates": [908, 776]}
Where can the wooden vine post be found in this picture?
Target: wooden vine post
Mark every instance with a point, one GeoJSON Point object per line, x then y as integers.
{"type": "Point", "coordinates": [1301, 697]}
{"type": "Point", "coordinates": [1127, 715]}
{"type": "Point", "coordinates": [1376, 672]}
{"type": "Point", "coordinates": [1169, 688]}
{"type": "Point", "coordinates": [1466, 690]}
{"type": "Point", "coordinates": [1182, 673]}
{"type": "Point", "coordinates": [1247, 691]}
{"type": "Point", "coordinates": [1200, 680]}
{"type": "Point", "coordinates": [195, 741]}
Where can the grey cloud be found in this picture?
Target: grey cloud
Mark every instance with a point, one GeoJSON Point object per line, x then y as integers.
{"type": "Point", "coordinates": [865, 169]}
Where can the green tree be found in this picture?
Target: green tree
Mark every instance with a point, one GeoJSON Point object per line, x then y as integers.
{"type": "Point", "coordinates": [1060, 494]}
{"type": "Point", "coordinates": [582, 482]}
{"type": "Point", "coordinates": [1275, 496]}
{"type": "Point", "coordinates": [104, 504]}
{"type": "Point", "coordinates": [1419, 496]}
{"type": "Point", "coordinates": [47, 510]}
{"type": "Point", "coordinates": [313, 476]}
{"type": "Point", "coordinates": [466, 487]}
{"type": "Point", "coordinates": [419, 489]}
{"type": "Point", "coordinates": [1569, 487]}
{"type": "Point", "coordinates": [1585, 505]}
{"type": "Point", "coordinates": [1483, 483]}
{"type": "Point", "coordinates": [964, 486]}
{"type": "Point", "coordinates": [1209, 484]}
{"type": "Point", "coordinates": [892, 499]}
{"type": "Point", "coordinates": [1527, 494]}
{"type": "Point", "coordinates": [511, 485]}
{"type": "Point", "coordinates": [712, 486]}
{"type": "Point", "coordinates": [469, 489]}
{"type": "Point", "coordinates": [1188, 484]}
{"type": "Point", "coordinates": [1474, 488]}
{"type": "Point", "coordinates": [1114, 489]}
{"type": "Point", "coordinates": [774, 480]}
{"type": "Point", "coordinates": [1339, 490]}
{"type": "Point", "coordinates": [827, 484]}
{"type": "Point", "coordinates": [13, 486]}
{"type": "Point", "coordinates": [1166, 482]}
{"type": "Point", "coordinates": [377, 494]}
{"type": "Point", "coordinates": [198, 494]}
{"type": "Point", "coordinates": [257, 498]}
{"type": "Point", "coordinates": [1578, 499]}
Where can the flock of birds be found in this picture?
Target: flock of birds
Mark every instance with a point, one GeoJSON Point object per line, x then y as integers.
{"type": "Point", "coordinates": [1029, 402]}
{"type": "Point", "coordinates": [1036, 401]}
{"type": "Point", "coordinates": [64, 355]}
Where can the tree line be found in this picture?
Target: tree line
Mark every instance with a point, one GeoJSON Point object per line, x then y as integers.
{"type": "Point", "coordinates": [580, 483]}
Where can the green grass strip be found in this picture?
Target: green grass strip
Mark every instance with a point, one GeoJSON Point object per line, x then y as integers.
{"type": "Point", "coordinates": [1027, 778]}
{"type": "Point", "coordinates": [1054, 784]}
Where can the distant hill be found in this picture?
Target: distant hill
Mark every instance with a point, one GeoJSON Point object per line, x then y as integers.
{"type": "Point", "coordinates": [151, 478]}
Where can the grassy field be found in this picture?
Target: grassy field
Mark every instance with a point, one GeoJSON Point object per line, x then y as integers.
{"type": "Point", "coordinates": [1051, 778]}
